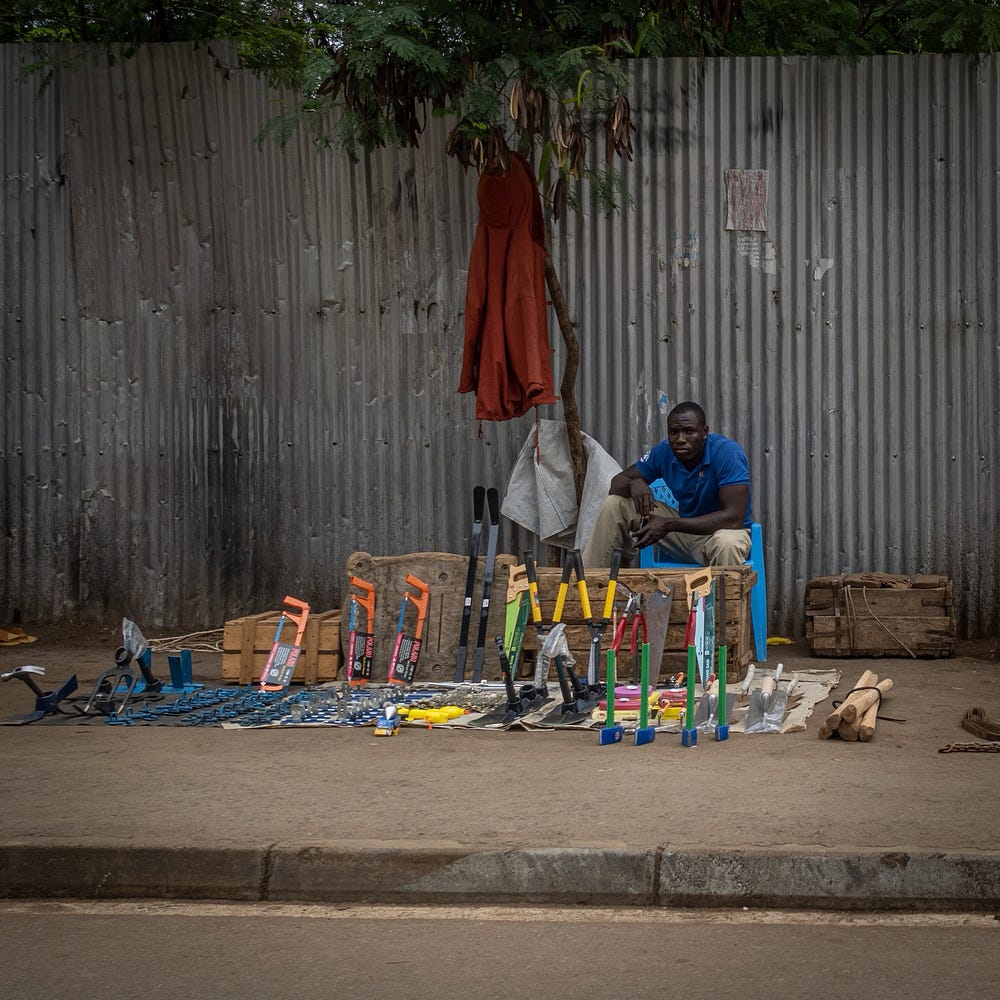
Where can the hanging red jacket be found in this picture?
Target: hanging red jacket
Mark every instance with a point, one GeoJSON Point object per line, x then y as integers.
{"type": "Point", "coordinates": [507, 361]}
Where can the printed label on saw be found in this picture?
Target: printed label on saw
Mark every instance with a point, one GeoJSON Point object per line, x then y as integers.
{"type": "Point", "coordinates": [406, 661]}
{"type": "Point", "coordinates": [361, 655]}
{"type": "Point", "coordinates": [281, 665]}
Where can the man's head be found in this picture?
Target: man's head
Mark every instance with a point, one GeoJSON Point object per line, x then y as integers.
{"type": "Point", "coordinates": [686, 432]}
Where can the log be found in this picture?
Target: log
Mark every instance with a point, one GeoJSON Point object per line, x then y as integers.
{"type": "Point", "coordinates": [858, 706]}
{"type": "Point", "coordinates": [867, 730]}
{"type": "Point", "coordinates": [849, 731]}
{"type": "Point", "coordinates": [834, 719]}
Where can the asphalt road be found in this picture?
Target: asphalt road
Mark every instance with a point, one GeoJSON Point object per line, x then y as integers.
{"type": "Point", "coordinates": [153, 950]}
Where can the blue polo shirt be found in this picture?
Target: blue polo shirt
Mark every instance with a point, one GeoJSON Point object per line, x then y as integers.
{"type": "Point", "coordinates": [723, 463]}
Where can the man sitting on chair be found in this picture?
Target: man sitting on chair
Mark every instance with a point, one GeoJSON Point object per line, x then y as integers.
{"type": "Point", "coordinates": [708, 475]}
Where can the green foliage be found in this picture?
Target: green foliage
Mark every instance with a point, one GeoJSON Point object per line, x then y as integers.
{"type": "Point", "coordinates": [366, 73]}
{"type": "Point", "coordinates": [608, 191]}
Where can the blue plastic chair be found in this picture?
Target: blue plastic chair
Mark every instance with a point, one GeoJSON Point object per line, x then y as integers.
{"type": "Point", "coordinates": [655, 557]}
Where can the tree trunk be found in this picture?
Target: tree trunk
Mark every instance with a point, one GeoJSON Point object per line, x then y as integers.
{"type": "Point", "coordinates": [567, 389]}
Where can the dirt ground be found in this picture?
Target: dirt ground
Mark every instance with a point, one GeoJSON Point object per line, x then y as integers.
{"type": "Point", "coordinates": [156, 785]}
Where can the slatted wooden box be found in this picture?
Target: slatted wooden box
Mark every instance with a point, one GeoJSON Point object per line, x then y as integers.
{"type": "Point", "coordinates": [880, 614]}
{"type": "Point", "coordinates": [738, 581]}
{"type": "Point", "coordinates": [247, 642]}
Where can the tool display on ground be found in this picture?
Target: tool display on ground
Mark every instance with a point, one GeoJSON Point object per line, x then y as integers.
{"type": "Point", "coordinates": [541, 629]}
{"type": "Point", "coordinates": [638, 634]}
{"type": "Point", "coordinates": [387, 724]}
{"type": "Point", "coordinates": [516, 619]}
{"type": "Point", "coordinates": [722, 713]}
{"type": "Point", "coordinates": [657, 612]}
{"type": "Point", "coordinates": [596, 627]}
{"type": "Point", "coordinates": [706, 635]}
{"type": "Point", "coordinates": [406, 652]}
{"type": "Point", "coordinates": [46, 702]}
{"type": "Point", "coordinates": [854, 718]}
{"type": "Point", "coordinates": [478, 506]}
{"type": "Point", "coordinates": [760, 700]}
{"type": "Point", "coordinates": [611, 731]}
{"type": "Point", "coordinates": [493, 503]}
{"type": "Point", "coordinates": [689, 731]}
{"type": "Point", "coordinates": [280, 665]}
{"type": "Point", "coordinates": [519, 700]}
{"type": "Point", "coordinates": [644, 733]}
{"type": "Point", "coordinates": [361, 643]}
{"type": "Point", "coordinates": [578, 699]}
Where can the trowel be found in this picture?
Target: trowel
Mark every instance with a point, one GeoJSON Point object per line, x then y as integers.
{"type": "Point", "coordinates": [760, 703]}
{"type": "Point", "coordinates": [774, 714]}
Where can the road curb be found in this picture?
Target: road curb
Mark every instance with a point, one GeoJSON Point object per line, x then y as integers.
{"type": "Point", "coordinates": [445, 873]}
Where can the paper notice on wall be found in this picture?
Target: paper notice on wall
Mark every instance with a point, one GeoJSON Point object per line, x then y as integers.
{"type": "Point", "coordinates": [746, 200]}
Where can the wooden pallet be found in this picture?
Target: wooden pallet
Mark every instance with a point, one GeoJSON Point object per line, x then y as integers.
{"type": "Point", "coordinates": [880, 614]}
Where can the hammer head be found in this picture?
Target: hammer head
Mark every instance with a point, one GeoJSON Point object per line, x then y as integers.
{"type": "Point", "coordinates": [611, 734]}
{"type": "Point", "coordinates": [21, 672]}
{"type": "Point", "coordinates": [644, 734]}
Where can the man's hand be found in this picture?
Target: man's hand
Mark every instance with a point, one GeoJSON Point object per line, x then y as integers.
{"type": "Point", "coordinates": [652, 530]}
{"type": "Point", "coordinates": [642, 496]}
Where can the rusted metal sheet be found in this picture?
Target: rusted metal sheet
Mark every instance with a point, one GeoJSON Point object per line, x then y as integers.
{"type": "Point", "coordinates": [228, 367]}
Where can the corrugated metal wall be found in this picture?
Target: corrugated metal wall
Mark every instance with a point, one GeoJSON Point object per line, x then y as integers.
{"type": "Point", "coordinates": [227, 368]}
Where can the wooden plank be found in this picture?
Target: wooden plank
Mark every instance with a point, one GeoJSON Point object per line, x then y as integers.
{"type": "Point", "coordinates": [893, 637]}
{"type": "Point", "coordinates": [889, 602]}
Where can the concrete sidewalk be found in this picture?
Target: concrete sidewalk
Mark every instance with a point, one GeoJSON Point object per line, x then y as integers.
{"type": "Point", "coordinates": [544, 817]}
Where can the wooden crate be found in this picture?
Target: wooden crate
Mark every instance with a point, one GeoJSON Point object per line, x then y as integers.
{"type": "Point", "coordinates": [880, 614]}
{"type": "Point", "coordinates": [738, 581]}
{"type": "Point", "coordinates": [445, 574]}
{"type": "Point", "coordinates": [247, 642]}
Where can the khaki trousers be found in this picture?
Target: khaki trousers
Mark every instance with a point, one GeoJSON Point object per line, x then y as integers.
{"type": "Point", "coordinates": [618, 520]}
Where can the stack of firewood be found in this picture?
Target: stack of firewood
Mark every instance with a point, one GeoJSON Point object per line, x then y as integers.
{"type": "Point", "coordinates": [854, 718]}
